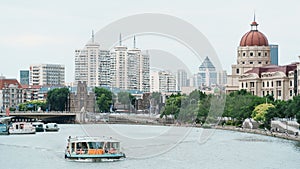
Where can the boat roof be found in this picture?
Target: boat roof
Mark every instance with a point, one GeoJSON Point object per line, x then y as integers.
{"type": "Point", "coordinates": [51, 123]}
{"type": "Point", "coordinates": [21, 122]}
{"type": "Point", "coordinates": [91, 139]}
{"type": "Point", "coordinates": [37, 122]}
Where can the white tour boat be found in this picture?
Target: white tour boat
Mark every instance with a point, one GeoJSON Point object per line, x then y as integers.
{"type": "Point", "coordinates": [39, 126]}
{"type": "Point", "coordinates": [51, 127]}
{"type": "Point", "coordinates": [21, 128]}
{"type": "Point", "coordinates": [93, 149]}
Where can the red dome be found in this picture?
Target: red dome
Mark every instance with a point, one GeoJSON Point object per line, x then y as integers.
{"type": "Point", "coordinates": [254, 38]}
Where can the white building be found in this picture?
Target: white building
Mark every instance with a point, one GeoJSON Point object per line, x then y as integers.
{"type": "Point", "coordinates": [47, 74]}
{"type": "Point", "coordinates": [130, 69]}
{"type": "Point", "coordinates": [92, 65]}
{"type": "Point", "coordinates": [162, 81]}
{"type": "Point", "coordinates": [10, 93]}
{"type": "Point", "coordinates": [181, 79]}
{"type": "Point", "coordinates": [123, 68]}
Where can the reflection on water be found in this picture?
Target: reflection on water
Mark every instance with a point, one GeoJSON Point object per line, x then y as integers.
{"type": "Point", "coordinates": [253, 139]}
{"type": "Point", "coordinates": [297, 145]}
{"type": "Point", "coordinates": [225, 149]}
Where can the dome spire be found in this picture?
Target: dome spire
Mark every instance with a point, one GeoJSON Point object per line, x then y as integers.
{"type": "Point", "coordinates": [254, 24]}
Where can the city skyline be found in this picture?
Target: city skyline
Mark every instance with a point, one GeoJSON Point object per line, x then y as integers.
{"type": "Point", "coordinates": [42, 32]}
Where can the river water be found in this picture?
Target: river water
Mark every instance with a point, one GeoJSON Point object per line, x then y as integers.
{"type": "Point", "coordinates": [149, 147]}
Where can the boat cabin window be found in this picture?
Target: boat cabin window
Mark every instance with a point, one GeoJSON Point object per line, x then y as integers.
{"type": "Point", "coordinates": [81, 145]}
{"type": "Point", "coordinates": [73, 147]}
{"type": "Point", "coordinates": [112, 147]}
{"type": "Point", "coordinates": [81, 148]}
{"type": "Point", "coordinates": [95, 145]}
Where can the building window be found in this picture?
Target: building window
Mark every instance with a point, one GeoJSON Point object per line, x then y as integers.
{"type": "Point", "coordinates": [263, 84]}
{"type": "Point", "coordinates": [279, 93]}
{"type": "Point", "coordinates": [259, 53]}
{"type": "Point", "coordinates": [267, 84]}
{"type": "Point", "coordinates": [291, 83]}
{"type": "Point", "coordinates": [272, 93]}
{"type": "Point", "coordinates": [263, 93]}
{"type": "Point", "coordinates": [251, 84]}
{"type": "Point", "coordinates": [266, 54]}
{"type": "Point", "coordinates": [272, 84]}
{"type": "Point", "coordinates": [244, 54]}
{"type": "Point", "coordinates": [251, 53]}
{"type": "Point", "coordinates": [246, 84]}
{"type": "Point", "coordinates": [278, 83]}
{"type": "Point", "coordinates": [259, 62]}
{"type": "Point", "coordinates": [237, 71]}
{"type": "Point", "coordinates": [251, 62]}
{"type": "Point", "coordinates": [242, 85]}
{"type": "Point", "coordinates": [243, 62]}
{"type": "Point", "coordinates": [291, 92]}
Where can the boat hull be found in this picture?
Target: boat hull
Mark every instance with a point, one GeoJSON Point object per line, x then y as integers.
{"type": "Point", "coordinates": [94, 158]}
{"type": "Point", "coordinates": [52, 129]}
{"type": "Point", "coordinates": [39, 129]}
{"type": "Point", "coordinates": [21, 132]}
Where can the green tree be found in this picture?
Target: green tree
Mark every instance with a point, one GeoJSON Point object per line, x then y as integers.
{"type": "Point", "coordinates": [293, 108]}
{"type": "Point", "coordinates": [260, 111]}
{"type": "Point", "coordinates": [126, 98]}
{"type": "Point", "coordinates": [240, 104]}
{"type": "Point", "coordinates": [57, 99]}
{"type": "Point", "coordinates": [33, 105]}
{"type": "Point", "coordinates": [105, 98]}
{"type": "Point", "coordinates": [172, 106]}
{"type": "Point", "coordinates": [280, 106]}
{"type": "Point", "coordinates": [156, 97]}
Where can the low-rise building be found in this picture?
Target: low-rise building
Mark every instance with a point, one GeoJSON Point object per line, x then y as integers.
{"type": "Point", "coordinates": [11, 93]}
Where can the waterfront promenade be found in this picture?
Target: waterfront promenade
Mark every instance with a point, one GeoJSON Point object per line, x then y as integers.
{"type": "Point", "coordinates": [261, 132]}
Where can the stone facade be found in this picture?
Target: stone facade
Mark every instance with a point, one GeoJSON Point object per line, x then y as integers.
{"type": "Point", "coordinates": [82, 100]}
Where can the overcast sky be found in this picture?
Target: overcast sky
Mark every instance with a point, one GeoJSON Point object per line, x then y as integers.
{"type": "Point", "coordinates": [37, 31]}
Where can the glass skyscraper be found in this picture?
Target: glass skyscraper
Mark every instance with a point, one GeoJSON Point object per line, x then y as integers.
{"type": "Point", "coordinates": [24, 77]}
{"type": "Point", "coordinates": [274, 54]}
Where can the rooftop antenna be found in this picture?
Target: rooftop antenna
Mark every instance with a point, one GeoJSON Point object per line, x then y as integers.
{"type": "Point", "coordinates": [93, 37]}
{"type": "Point", "coordinates": [134, 42]}
{"type": "Point", "coordinates": [120, 40]}
{"type": "Point", "coordinates": [254, 16]}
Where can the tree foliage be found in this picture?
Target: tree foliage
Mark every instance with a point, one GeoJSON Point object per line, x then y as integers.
{"type": "Point", "coordinates": [126, 98]}
{"type": "Point", "coordinates": [33, 105]}
{"type": "Point", "coordinates": [104, 99]}
{"type": "Point", "coordinates": [57, 99]}
{"type": "Point", "coordinates": [260, 111]}
{"type": "Point", "coordinates": [156, 97]}
{"type": "Point", "coordinates": [239, 105]}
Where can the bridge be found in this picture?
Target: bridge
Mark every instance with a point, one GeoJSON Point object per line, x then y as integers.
{"type": "Point", "coordinates": [84, 117]}
{"type": "Point", "coordinates": [58, 117]}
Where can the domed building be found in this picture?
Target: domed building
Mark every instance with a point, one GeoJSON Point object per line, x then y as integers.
{"type": "Point", "coordinates": [253, 51]}
{"type": "Point", "coordinates": [255, 73]}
